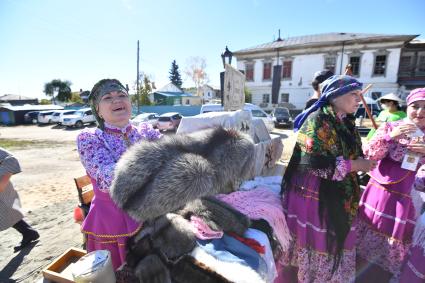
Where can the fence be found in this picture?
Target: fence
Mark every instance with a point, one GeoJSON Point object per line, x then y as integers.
{"type": "Point", "coordinates": [191, 110]}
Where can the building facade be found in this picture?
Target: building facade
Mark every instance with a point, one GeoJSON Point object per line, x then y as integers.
{"type": "Point", "coordinates": [411, 72]}
{"type": "Point", "coordinates": [374, 58]}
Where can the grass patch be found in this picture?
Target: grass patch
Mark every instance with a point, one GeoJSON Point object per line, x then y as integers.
{"type": "Point", "coordinates": [22, 144]}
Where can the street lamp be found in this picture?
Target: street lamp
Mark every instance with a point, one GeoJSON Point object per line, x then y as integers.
{"type": "Point", "coordinates": [227, 54]}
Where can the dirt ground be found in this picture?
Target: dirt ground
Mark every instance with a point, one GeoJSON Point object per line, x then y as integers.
{"type": "Point", "coordinates": [49, 162]}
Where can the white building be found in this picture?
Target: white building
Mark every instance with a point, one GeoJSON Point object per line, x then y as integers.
{"type": "Point", "coordinates": [208, 93]}
{"type": "Point", "coordinates": [374, 58]}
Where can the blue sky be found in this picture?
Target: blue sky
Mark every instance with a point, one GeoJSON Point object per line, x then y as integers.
{"type": "Point", "coordinates": [84, 41]}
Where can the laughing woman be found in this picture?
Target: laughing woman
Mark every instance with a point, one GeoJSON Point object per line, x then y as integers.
{"type": "Point", "coordinates": [320, 186]}
{"type": "Point", "coordinates": [107, 226]}
{"type": "Point", "coordinates": [386, 214]}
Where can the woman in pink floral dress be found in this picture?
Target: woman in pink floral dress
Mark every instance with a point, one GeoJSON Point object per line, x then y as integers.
{"type": "Point", "coordinates": [107, 226]}
{"type": "Point", "coordinates": [386, 212]}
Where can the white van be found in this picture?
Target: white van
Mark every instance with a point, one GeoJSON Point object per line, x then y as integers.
{"type": "Point", "coordinates": [256, 111]}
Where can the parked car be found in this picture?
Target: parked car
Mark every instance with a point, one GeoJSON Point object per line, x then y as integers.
{"type": "Point", "coordinates": [282, 117]}
{"type": "Point", "coordinates": [169, 121]}
{"type": "Point", "coordinates": [31, 117]}
{"type": "Point", "coordinates": [79, 118]}
{"type": "Point", "coordinates": [58, 115]}
{"type": "Point", "coordinates": [151, 118]}
{"type": "Point", "coordinates": [256, 111]}
{"type": "Point", "coordinates": [45, 117]}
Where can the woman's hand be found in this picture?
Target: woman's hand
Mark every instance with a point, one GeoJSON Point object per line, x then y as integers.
{"type": "Point", "coordinates": [361, 164]}
{"type": "Point", "coordinates": [417, 145]}
{"type": "Point", "coordinates": [403, 129]}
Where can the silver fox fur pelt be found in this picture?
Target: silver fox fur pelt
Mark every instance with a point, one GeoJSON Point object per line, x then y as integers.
{"type": "Point", "coordinates": [155, 178]}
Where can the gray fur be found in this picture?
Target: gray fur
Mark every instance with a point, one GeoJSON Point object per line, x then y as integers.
{"type": "Point", "coordinates": [217, 215]}
{"type": "Point", "coordinates": [154, 178]}
{"type": "Point", "coordinates": [152, 270]}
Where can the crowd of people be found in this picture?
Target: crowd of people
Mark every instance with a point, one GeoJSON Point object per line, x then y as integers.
{"type": "Point", "coordinates": [334, 223]}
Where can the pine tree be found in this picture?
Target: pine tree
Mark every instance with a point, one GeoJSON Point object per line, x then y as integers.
{"type": "Point", "coordinates": [175, 77]}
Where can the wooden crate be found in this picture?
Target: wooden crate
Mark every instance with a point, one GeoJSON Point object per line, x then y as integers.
{"type": "Point", "coordinates": [60, 269]}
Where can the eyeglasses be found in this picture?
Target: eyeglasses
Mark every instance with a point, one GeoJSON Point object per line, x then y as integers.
{"type": "Point", "coordinates": [111, 99]}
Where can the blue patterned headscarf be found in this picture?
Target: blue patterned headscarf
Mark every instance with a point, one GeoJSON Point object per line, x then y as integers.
{"type": "Point", "coordinates": [331, 88]}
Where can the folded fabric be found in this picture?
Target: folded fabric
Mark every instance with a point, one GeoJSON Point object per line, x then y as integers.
{"type": "Point", "coordinates": [202, 230]}
{"type": "Point", "coordinates": [261, 203]}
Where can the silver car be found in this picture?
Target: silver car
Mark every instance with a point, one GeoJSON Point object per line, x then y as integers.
{"type": "Point", "coordinates": [151, 118]}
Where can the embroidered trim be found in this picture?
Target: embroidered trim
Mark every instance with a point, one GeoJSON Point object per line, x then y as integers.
{"type": "Point", "coordinates": [378, 186]}
{"type": "Point", "coordinates": [315, 228]}
{"type": "Point", "coordinates": [105, 242]}
{"type": "Point", "coordinates": [415, 271]}
{"type": "Point", "coordinates": [112, 236]}
{"type": "Point", "coordinates": [390, 238]}
{"type": "Point", "coordinates": [380, 213]}
{"type": "Point", "coordinates": [391, 183]}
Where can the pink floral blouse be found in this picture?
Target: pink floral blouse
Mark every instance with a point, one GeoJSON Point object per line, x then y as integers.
{"type": "Point", "coordinates": [382, 145]}
{"type": "Point", "coordinates": [101, 149]}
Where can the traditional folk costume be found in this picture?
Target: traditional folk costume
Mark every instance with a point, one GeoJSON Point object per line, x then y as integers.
{"type": "Point", "coordinates": [413, 270]}
{"type": "Point", "coordinates": [386, 213]}
{"type": "Point", "coordinates": [320, 194]}
{"type": "Point", "coordinates": [107, 226]}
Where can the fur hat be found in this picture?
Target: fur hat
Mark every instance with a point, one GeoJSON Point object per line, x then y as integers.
{"type": "Point", "coordinates": [154, 178]}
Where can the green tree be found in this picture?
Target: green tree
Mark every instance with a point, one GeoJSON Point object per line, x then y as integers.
{"type": "Point", "coordinates": [248, 95]}
{"type": "Point", "coordinates": [175, 76]}
{"type": "Point", "coordinates": [45, 102]}
{"type": "Point", "coordinates": [144, 90]}
{"type": "Point", "coordinates": [75, 97]}
{"type": "Point", "coordinates": [62, 88]}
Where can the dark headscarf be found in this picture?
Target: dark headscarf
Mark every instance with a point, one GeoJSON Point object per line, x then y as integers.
{"type": "Point", "coordinates": [331, 88]}
{"type": "Point", "coordinates": [100, 89]}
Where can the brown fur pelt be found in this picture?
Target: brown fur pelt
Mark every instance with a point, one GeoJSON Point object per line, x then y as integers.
{"type": "Point", "coordinates": [154, 178]}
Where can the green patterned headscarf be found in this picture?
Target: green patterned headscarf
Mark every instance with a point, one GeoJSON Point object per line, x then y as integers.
{"type": "Point", "coordinates": [100, 89]}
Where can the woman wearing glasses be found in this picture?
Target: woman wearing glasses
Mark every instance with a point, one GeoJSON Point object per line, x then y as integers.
{"type": "Point", "coordinates": [107, 226]}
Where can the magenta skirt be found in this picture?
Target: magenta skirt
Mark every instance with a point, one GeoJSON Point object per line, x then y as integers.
{"type": "Point", "coordinates": [108, 227]}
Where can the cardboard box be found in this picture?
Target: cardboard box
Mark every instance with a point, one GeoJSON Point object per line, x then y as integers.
{"type": "Point", "coordinates": [60, 269]}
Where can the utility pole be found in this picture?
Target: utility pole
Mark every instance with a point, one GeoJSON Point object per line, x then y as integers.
{"type": "Point", "coordinates": [137, 81]}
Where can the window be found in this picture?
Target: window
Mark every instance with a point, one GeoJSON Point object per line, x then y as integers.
{"type": "Point", "coordinates": [284, 97]}
{"type": "Point", "coordinates": [355, 65]}
{"type": "Point", "coordinates": [267, 71]}
{"type": "Point", "coordinates": [405, 65]}
{"type": "Point", "coordinates": [380, 64]}
{"type": "Point", "coordinates": [421, 65]}
{"type": "Point", "coordinates": [266, 98]}
{"type": "Point", "coordinates": [330, 63]}
{"type": "Point", "coordinates": [249, 72]}
{"type": "Point", "coordinates": [287, 69]}
{"type": "Point", "coordinates": [187, 101]}
{"type": "Point", "coordinates": [258, 113]}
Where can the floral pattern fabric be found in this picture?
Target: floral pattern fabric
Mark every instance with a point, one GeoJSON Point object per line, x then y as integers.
{"type": "Point", "coordinates": [325, 146]}
{"type": "Point", "coordinates": [382, 145]}
{"type": "Point", "coordinates": [100, 150]}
